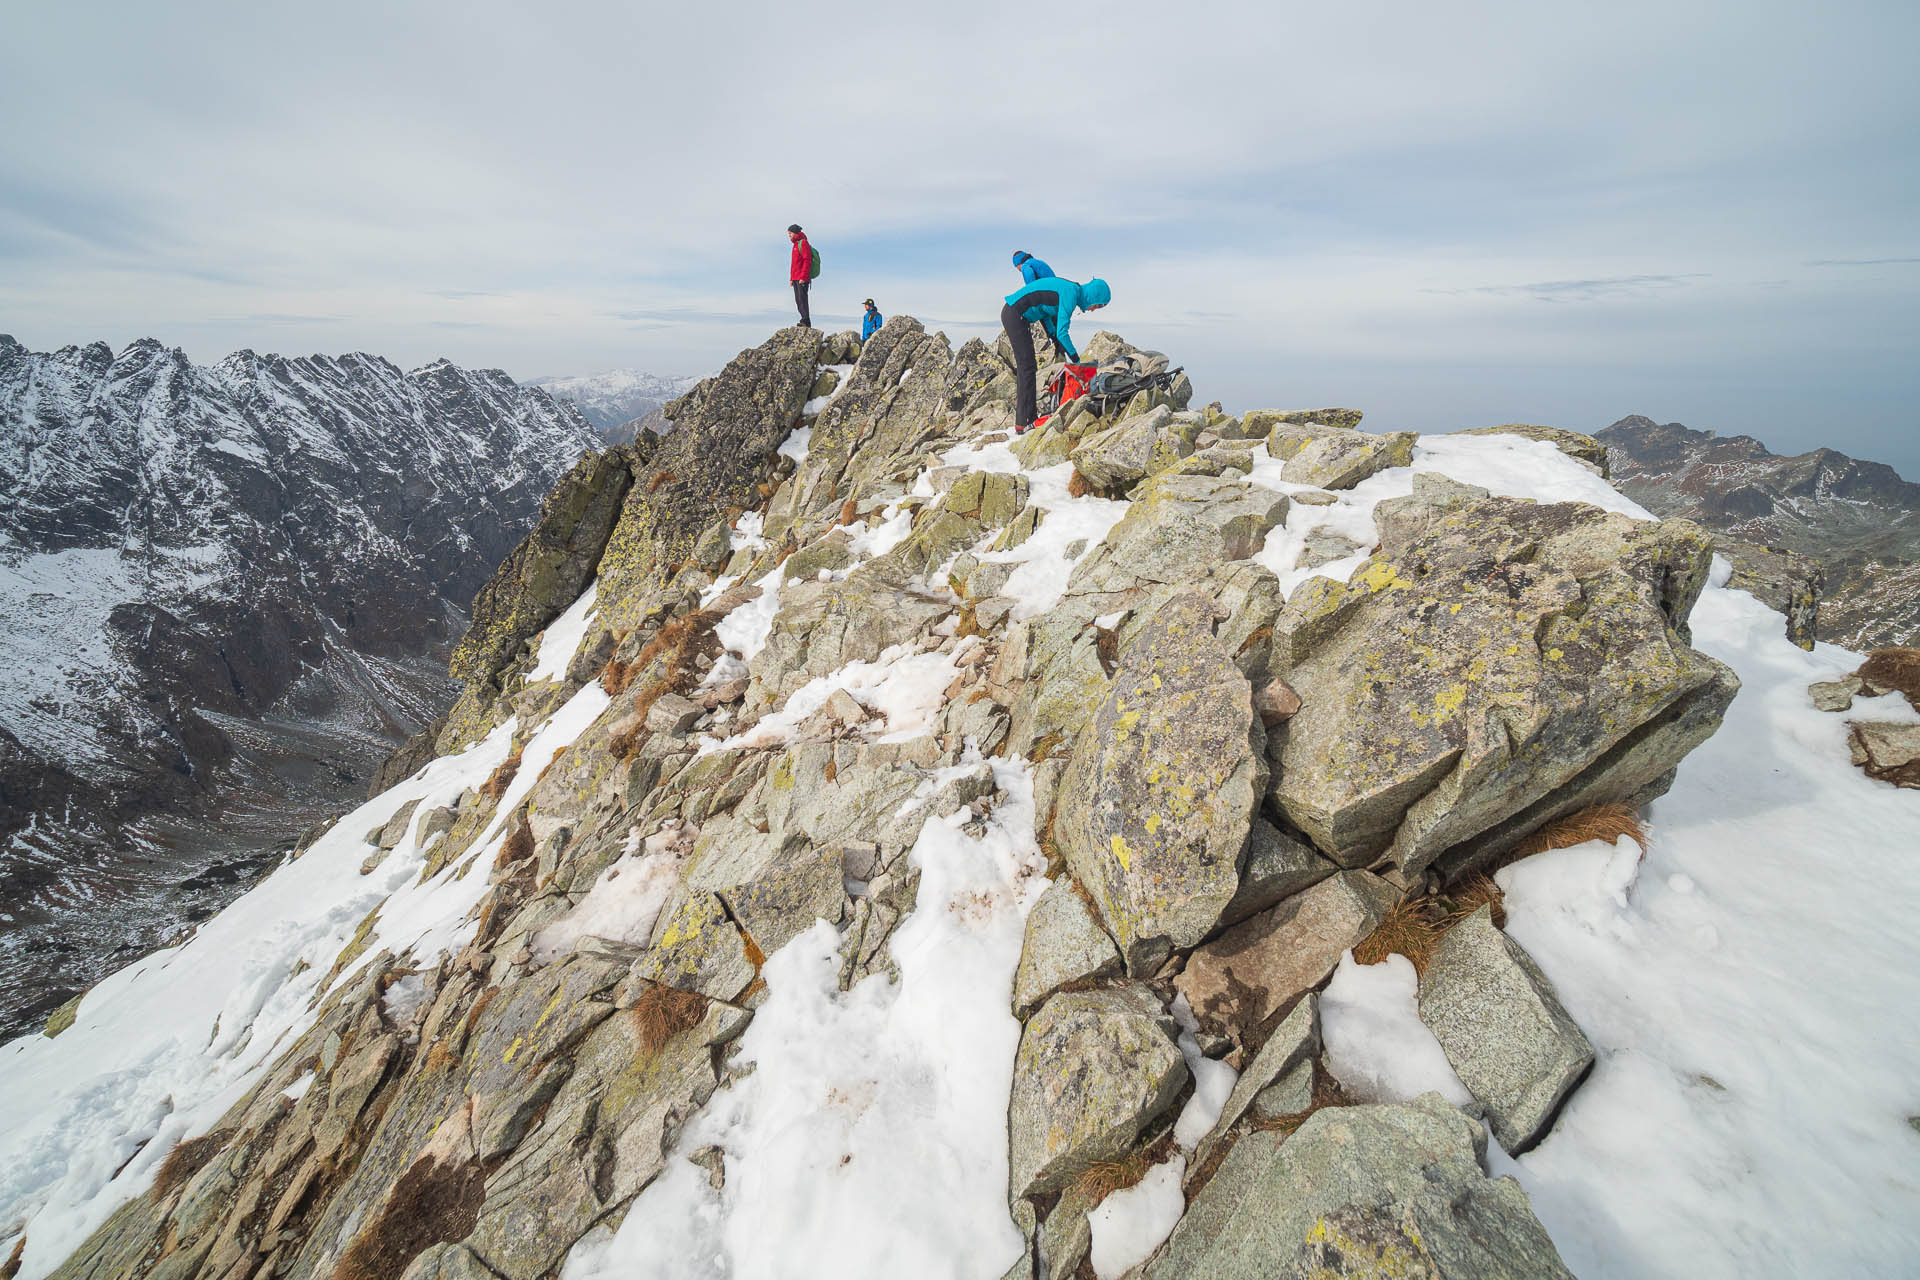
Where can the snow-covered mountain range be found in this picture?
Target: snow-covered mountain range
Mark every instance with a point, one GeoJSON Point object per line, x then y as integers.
{"type": "Point", "coordinates": [615, 401]}
{"type": "Point", "coordinates": [1859, 521]}
{"type": "Point", "coordinates": [196, 563]}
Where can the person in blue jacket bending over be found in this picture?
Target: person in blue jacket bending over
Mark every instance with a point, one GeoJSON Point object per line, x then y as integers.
{"type": "Point", "coordinates": [1049, 302]}
{"type": "Point", "coordinates": [871, 325]}
{"type": "Point", "coordinates": [1031, 268]}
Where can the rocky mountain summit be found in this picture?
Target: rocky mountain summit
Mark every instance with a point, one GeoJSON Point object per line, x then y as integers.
{"type": "Point", "coordinates": [1839, 529]}
{"type": "Point", "coordinates": [872, 842]}
{"type": "Point", "coordinates": [225, 585]}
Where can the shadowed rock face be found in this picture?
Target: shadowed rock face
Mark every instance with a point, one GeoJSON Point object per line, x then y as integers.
{"type": "Point", "coordinates": [1858, 522]}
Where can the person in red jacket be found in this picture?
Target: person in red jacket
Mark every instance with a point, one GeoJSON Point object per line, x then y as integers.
{"type": "Point", "coordinates": [801, 272]}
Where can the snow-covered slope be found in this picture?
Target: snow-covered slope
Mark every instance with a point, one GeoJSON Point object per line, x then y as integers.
{"type": "Point", "coordinates": [613, 400]}
{"type": "Point", "coordinates": [180, 543]}
{"type": "Point", "coordinates": [843, 1111]}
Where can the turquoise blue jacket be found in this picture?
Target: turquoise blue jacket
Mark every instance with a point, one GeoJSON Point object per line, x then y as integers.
{"type": "Point", "coordinates": [871, 324]}
{"type": "Point", "coordinates": [1055, 319]}
{"type": "Point", "coordinates": [1031, 268]}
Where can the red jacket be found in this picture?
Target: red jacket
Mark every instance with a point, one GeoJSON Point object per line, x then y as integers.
{"type": "Point", "coordinates": [801, 270]}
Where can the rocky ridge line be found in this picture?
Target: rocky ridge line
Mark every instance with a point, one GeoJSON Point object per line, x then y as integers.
{"type": "Point", "coordinates": [1227, 770]}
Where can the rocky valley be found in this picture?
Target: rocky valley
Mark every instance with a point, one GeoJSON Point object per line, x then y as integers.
{"type": "Point", "coordinates": [229, 592]}
{"type": "Point", "coordinates": [868, 841]}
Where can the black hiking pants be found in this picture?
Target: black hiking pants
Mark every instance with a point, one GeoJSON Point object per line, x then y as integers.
{"type": "Point", "coordinates": [1025, 394]}
{"type": "Point", "coordinates": [800, 288]}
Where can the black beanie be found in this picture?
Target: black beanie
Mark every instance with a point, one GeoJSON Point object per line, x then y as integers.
{"type": "Point", "coordinates": [794, 227]}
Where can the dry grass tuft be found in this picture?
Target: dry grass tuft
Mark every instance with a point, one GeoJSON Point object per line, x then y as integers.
{"type": "Point", "coordinates": [1259, 635]}
{"type": "Point", "coordinates": [1894, 669]}
{"type": "Point", "coordinates": [11, 1267]}
{"type": "Point", "coordinates": [1479, 891]}
{"type": "Point", "coordinates": [1078, 485]}
{"type": "Point", "coordinates": [659, 478]}
{"type": "Point", "coordinates": [848, 512]}
{"type": "Point", "coordinates": [625, 744]}
{"type": "Point", "coordinates": [680, 644]}
{"type": "Point", "coordinates": [432, 1203]}
{"type": "Point", "coordinates": [662, 1013]}
{"type": "Point", "coordinates": [188, 1159]}
{"type": "Point", "coordinates": [497, 783]}
{"type": "Point", "coordinates": [1600, 822]}
{"type": "Point", "coordinates": [441, 1056]}
{"type": "Point", "coordinates": [1411, 929]}
{"type": "Point", "coordinates": [617, 675]}
{"type": "Point", "coordinates": [517, 847]}
{"type": "Point", "coordinates": [1104, 1177]}
{"type": "Point", "coordinates": [1047, 745]}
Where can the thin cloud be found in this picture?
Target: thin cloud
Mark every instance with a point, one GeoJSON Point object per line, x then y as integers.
{"type": "Point", "coordinates": [1860, 262]}
{"type": "Point", "coordinates": [1581, 290]}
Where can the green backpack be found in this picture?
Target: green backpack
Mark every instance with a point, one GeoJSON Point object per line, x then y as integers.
{"type": "Point", "coordinates": [813, 266]}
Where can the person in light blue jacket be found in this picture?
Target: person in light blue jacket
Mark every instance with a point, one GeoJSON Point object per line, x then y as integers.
{"type": "Point", "coordinates": [871, 324]}
{"type": "Point", "coordinates": [1031, 268]}
{"type": "Point", "coordinates": [1050, 303]}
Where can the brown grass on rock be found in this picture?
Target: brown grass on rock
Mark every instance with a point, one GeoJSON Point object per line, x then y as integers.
{"type": "Point", "coordinates": [1078, 486]}
{"type": "Point", "coordinates": [1598, 822]}
{"type": "Point", "coordinates": [500, 779]}
{"type": "Point", "coordinates": [659, 478]}
{"type": "Point", "coordinates": [662, 1013]}
{"type": "Point", "coordinates": [680, 644]}
{"type": "Point", "coordinates": [617, 675]}
{"type": "Point", "coordinates": [1478, 891]}
{"type": "Point", "coordinates": [849, 511]}
{"type": "Point", "coordinates": [1104, 1177]}
{"type": "Point", "coordinates": [11, 1267]}
{"type": "Point", "coordinates": [1411, 929]}
{"type": "Point", "coordinates": [518, 846]}
{"type": "Point", "coordinates": [187, 1159]}
{"type": "Point", "coordinates": [1897, 669]}
{"type": "Point", "coordinates": [431, 1204]}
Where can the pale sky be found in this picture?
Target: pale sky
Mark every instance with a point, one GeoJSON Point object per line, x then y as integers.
{"type": "Point", "coordinates": [1447, 215]}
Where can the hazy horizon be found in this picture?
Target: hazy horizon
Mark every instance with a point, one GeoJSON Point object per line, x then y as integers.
{"type": "Point", "coordinates": [1496, 212]}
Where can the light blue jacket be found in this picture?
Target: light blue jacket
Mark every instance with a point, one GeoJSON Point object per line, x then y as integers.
{"type": "Point", "coordinates": [871, 324]}
{"type": "Point", "coordinates": [1031, 268]}
{"type": "Point", "coordinates": [1055, 319]}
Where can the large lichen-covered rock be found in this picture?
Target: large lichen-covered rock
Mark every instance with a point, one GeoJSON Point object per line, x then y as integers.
{"type": "Point", "coordinates": [1157, 800]}
{"type": "Point", "coordinates": [603, 1137]}
{"type": "Point", "coordinates": [698, 949]}
{"type": "Point", "coordinates": [1094, 1069]}
{"type": "Point", "coordinates": [551, 566]}
{"type": "Point", "coordinates": [1581, 448]}
{"type": "Point", "coordinates": [1256, 423]}
{"type": "Point", "coordinates": [1361, 1191]}
{"type": "Point", "coordinates": [1497, 665]}
{"type": "Point", "coordinates": [1342, 459]}
{"type": "Point", "coordinates": [1119, 457]}
{"type": "Point", "coordinates": [1238, 981]}
{"type": "Point", "coordinates": [1064, 943]}
{"type": "Point", "coordinates": [1779, 579]}
{"type": "Point", "coordinates": [726, 437]}
{"type": "Point", "coordinates": [1503, 1029]}
{"type": "Point", "coordinates": [823, 626]}
{"type": "Point", "coordinates": [894, 402]}
{"type": "Point", "coordinates": [1177, 528]}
